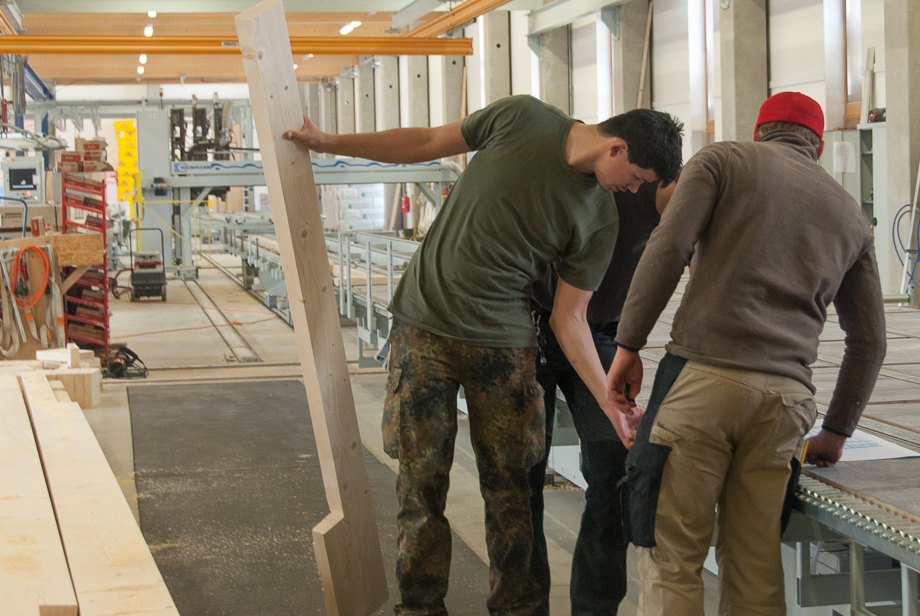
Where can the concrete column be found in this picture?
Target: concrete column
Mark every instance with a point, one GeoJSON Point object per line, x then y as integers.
{"type": "Point", "coordinates": [699, 101]}
{"type": "Point", "coordinates": [452, 74]}
{"type": "Point", "coordinates": [555, 76]}
{"type": "Point", "coordinates": [328, 123]}
{"type": "Point", "coordinates": [386, 92]}
{"type": "Point", "coordinates": [745, 82]}
{"type": "Point", "coordinates": [418, 90]}
{"type": "Point", "coordinates": [365, 96]}
{"type": "Point", "coordinates": [835, 80]}
{"type": "Point", "coordinates": [346, 104]}
{"type": "Point", "coordinates": [496, 28]}
{"type": "Point", "coordinates": [902, 93]}
{"type": "Point", "coordinates": [386, 95]}
{"type": "Point", "coordinates": [627, 59]}
{"type": "Point", "coordinates": [312, 93]}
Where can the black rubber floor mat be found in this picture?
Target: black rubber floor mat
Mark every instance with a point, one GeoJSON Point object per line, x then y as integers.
{"type": "Point", "coordinates": [229, 488]}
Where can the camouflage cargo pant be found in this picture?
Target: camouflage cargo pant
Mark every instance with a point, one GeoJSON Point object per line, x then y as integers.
{"type": "Point", "coordinates": [419, 428]}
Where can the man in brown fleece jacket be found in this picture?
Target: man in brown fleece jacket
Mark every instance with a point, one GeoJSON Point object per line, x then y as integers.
{"type": "Point", "coordinates": [772, 240]}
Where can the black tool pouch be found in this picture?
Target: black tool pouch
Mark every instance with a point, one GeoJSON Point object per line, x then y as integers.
{"type": "Point", "coordinates": [791, 487]}
{"type": "Point", "coordinates": [645, 463]}
{"type": "Point", "coordinates": [644, 466]}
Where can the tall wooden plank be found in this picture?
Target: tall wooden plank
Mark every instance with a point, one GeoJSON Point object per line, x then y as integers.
{"type": "Point", "coordinates": [346, 542]}
{"type": "Point", "coordinates": [34, 579]}
{"type": "Point", "coordinates": [111, 566]}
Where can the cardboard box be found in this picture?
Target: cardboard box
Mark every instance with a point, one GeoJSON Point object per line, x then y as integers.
{"type": "Point", "coordinates": [66, 156]}
{"type": "Point", "coordinates": [89, 166]}
{"type": "Point", "coordinates": [70, 167]}
{"type": "Point", "coordinates": [95, 156]}
{"type": "Point", "coordinates": [89, 145]}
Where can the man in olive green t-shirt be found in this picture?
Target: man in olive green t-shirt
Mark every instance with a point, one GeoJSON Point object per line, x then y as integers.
{"type": "Point", "coordinates": [537, 190]}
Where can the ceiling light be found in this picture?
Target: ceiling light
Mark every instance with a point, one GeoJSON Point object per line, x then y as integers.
{"type": "Point", "coordinates": [295, 67]}
{"type": "Point", "coordinates": [151, 14]}
{"type": "Point", "coordinates": [143, 58]}
{"type": "Point", "coordinates": [148, 30]}
{"type": "Point", "coordinates": [140, 70]}
{"type": "Point", "coordinates": [306, 57]}
{"type": "Point", "coordinates": [349, 27]}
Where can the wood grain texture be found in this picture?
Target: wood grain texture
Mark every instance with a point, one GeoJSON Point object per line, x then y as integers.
{"type": "Point", "coordinates": [34, 578]}
{"type": "Point", "coordinates": [70, 249]}
{"type": "Point", "coordinates": [111, 567]}
{"type": "Point", "coordinates": [346, 543]}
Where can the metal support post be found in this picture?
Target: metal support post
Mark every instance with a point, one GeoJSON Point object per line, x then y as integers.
{"type": "Point", "coordinates": [350, 313]}
{"type": "Point", "coordinates": [857, 575]}
{"type": "Point", "coordinates": [370, 292]}
{"type": "Point", "coordinates": [341, 273]}
{"type": "Point", "coordinates": [389, 272]}
{"type": "Point", "coordinates": [909, 591]}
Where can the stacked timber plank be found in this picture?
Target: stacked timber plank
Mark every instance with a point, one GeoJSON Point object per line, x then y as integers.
{"type": "Point", "coordinates": [70, 544]}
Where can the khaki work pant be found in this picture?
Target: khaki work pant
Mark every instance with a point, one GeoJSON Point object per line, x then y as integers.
{"type": "Point", "coordinates": [733, 434]}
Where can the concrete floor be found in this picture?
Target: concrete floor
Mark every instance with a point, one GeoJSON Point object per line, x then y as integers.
{"type": "Point", "coordinates": [206, 330]}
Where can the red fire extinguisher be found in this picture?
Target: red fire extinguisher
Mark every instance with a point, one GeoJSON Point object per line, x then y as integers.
{"type": "Point", "coordinates": [405, 204]}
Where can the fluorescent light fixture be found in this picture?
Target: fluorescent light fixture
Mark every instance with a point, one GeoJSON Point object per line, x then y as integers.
{"type": "Point", "coordinates": [140, 70]}
{"type": "Point", "coordinates": [148, 30]}
{"type": "Point", "coordinates": [151, 14]}
{"type": "Point", "coordinates": [348, 28]}
{"type": "Point", "coordinates": [306, 57]}
{"type": "Point", "coordinates": [143, 58]}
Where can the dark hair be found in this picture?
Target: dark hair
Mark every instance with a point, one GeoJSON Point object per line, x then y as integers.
{"type": "Point", "coordinates": [802, 131]}
{"type": "Point", "coordinates": [653, 138]}
{"type": "Point", "coordinates": [664, 184]}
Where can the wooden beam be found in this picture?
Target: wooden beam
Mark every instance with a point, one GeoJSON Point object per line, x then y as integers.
{"type": "Point", "coordinates": [111, 566]}
{"type": "Point", "coordinates": [122, 68]}
{"type": "Point", "coordinates": [216, 45]}
{"type": "Point", "coordinates": [34, 578]}
{"type": "Point", "coordinates": [470, 9]}
{"type": "Point", "coordinates": [196, 24]}
{"type": "Point", "coordinates": [73, 278]}
{"type": "Point", "coordinates": [346, 544]}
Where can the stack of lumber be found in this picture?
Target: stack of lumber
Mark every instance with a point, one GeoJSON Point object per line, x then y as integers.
{"type": "Point", "coordinates": [77, 370]}
{"type": "Point", "coordinates": [70, 544]}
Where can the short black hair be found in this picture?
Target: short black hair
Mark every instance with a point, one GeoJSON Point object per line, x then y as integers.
{"type": "Point", "coordinates": [653, 138]}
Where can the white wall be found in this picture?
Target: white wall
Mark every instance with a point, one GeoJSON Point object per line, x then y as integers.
{"type": "Point", "coordinates": [525, 68]}
{"type": "Point", "coordinates": [873, 35]}
{"type": "Point", "coordinates": [435, 91]}
{"type": "Point", "coordinates": [670, 64]}
{"type": "Point", "coordinates": [475, 92]}
{"type": "Point", "coordinates": [797, 47]}
{"type": "Point", "coordinates": [592, 84]}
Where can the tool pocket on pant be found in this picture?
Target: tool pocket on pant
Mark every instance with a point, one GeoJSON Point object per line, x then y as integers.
{"type": "Point", "coordinates": [535, 436]}
{"type": "Point", "coordinates": [792, 423]}
{"type": "Point", "coordinates": [644, 467]}
{"type": "Point", "coordinates": [391, 418]}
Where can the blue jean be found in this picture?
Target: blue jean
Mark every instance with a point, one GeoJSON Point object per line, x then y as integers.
{"type": "Point", "coordinates": [598, 582]}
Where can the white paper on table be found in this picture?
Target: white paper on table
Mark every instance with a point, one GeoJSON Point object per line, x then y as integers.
{"type": "Point", "coordinates": [844, 157]}
{"type": "Point", "coordinates": [864, 446]}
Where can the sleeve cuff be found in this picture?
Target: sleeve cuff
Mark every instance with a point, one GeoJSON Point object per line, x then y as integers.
{"type": "Point", "coordinates": [627, 348]}
{"type": "Point", "coordinates": [837, 432]}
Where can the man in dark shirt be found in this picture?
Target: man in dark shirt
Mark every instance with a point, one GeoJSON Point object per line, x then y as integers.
{"type": "Point", "coordinates": [598, 581]}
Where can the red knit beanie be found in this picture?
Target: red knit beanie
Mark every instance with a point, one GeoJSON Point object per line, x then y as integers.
{"type": "Point", "coordinates": [793, 107]}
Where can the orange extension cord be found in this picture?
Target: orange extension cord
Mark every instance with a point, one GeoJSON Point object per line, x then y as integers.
{"type": "Point", "coordinates": [28, 301]}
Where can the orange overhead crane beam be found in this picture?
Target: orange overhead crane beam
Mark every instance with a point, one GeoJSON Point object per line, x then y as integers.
{"type": "Point", "coordinates": [471, 9]}
{"type": "Point", "coordinates": [355, 45]}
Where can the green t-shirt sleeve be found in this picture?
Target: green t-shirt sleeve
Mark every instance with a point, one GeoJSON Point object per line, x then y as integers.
{"type": "Point", "coordinates": [586, 260]}
{"type": "Point", "coordinates": [481, 127]}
